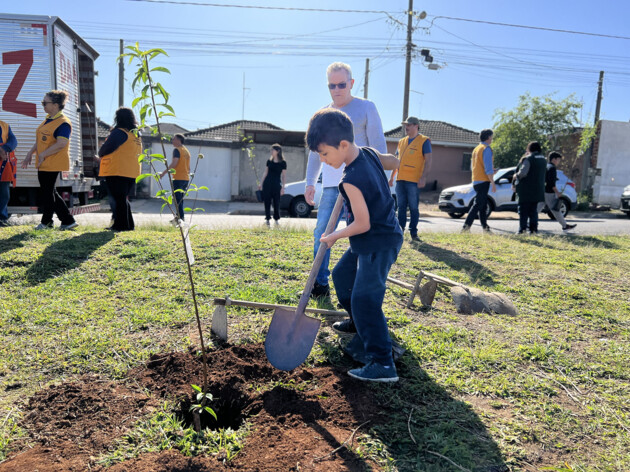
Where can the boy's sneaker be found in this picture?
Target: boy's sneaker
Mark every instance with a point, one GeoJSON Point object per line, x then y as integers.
{"type": "Point", "coordinates": [414, 237]}
{"type": "Point", "coordinates": [72, 225]}
{"type": "Point", "coordinates": [320, 291]}
{"type": "Point", "coordinates": [344, 327]}
{"type": "Point", "coordinates": [375, 372]}
{"type": "Point", "coordinates": [568, 227]}
{"type": "Point", "coordinates": [465, 229]}
{"type": "Point", "coordinates": [3, 223]}
{"type": "Point", "coordinates": [42, 226]}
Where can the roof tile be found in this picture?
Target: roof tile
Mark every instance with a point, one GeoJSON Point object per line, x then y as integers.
{"type": "Point", "coordinates": [439, 131]}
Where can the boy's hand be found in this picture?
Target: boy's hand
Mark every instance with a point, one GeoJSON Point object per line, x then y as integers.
{"type": "Point", "coordinates": [329, 240]}
{"type": "Point", "coordinates": [309, 195]}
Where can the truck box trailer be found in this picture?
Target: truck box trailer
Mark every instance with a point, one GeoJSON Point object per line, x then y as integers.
{"type": "Point", "coordinates": [39, 54]}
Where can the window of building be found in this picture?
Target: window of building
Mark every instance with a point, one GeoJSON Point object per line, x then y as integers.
{"type": "Point", "coordinates": [467, 161]}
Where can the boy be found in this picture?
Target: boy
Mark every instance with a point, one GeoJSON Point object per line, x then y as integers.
{"type": "Point", "coordinates": [374, 233]}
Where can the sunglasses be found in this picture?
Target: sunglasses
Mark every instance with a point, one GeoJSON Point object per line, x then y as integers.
{"type": "Point", "coordinates": [44, 103]}
{"type": "Point", "coordinates": [340, 86]}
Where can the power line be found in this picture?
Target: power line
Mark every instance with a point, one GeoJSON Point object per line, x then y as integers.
{"type": "Point", "coordinates": [555, 30]}
{"type": "Point", "coordinates": [259, 7]}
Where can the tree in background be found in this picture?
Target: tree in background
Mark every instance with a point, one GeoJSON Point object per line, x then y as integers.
{"type": "Point", "coordinates": [533, 119]}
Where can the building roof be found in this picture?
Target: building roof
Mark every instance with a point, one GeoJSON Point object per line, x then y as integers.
{"type": "Point", "coordinates": [103, 128]}
{"type": "Point", "coordinates": [439, 132]}
{"type": "Point", "coordinates": [167, 128]}
{"type": "Point", "coordinates": [230, 131]}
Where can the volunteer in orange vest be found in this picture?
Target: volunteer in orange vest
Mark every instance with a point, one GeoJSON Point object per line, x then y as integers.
{"type": "Point", "coordinates": [414, 152]}
{"type": "Point", "coordinates": [120, 166]}
{"type": "Point", "coordinates": [181, 177]}
{"type": "Point", "coordinates": [8, 167]}
{"type": "Point", "coordinates": [52, 147]}
{"type": "Point", "coordinates": [482, 164]}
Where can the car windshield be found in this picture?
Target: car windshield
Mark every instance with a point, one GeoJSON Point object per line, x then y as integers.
{"type": "Point", "coordinates": [501, 173]}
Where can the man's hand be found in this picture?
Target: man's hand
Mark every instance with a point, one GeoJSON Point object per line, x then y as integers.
{"type": "Point", "coordinates": [27, 160]}
{"type": "Point", "coordinates": [422, 182]}
{"type": "Point", "coordinates": [494, 187]}
{"type": "Point", "coordinates": [309, 195]}
{"type": "Point", "coordinates": [391, 182]}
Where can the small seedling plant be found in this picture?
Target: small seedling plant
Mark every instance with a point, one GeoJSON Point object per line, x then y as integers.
{"type": "Point", "coordinates": [153, 101]}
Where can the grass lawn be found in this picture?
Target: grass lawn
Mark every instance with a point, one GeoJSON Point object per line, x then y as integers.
{"type": "Point", "coordinates": [550, 387]}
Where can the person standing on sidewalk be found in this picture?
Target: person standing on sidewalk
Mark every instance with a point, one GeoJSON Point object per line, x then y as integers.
{"type": "Point", "coordinates": [552, 194]}
{"type": "Point", "coordinates": [368, 131]}
{"type": "Point", "coordinates": [482, 178]}
{"type": "Point", "coordinates": [52, 146]}
{"type": "Point", "coordinates": [529, 184]}
{"type": "Point", "coordinates": [273, 181]}
{"type": "Point", "coordinates": [181, 177]}
{"type": "Point", "coordinates": [8, 167]}
{"type": "Point", "coordinates": [414, 152]}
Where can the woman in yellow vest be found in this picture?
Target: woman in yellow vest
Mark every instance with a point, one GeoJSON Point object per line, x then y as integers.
{"type": "Point", "coordinates": [52, 146]}
{"type": "Point", "coordinates": [181, 177]}
{"type": "Point", "coordinates": [120, 166]}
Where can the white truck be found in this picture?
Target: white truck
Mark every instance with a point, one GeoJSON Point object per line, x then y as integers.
{"type": "Point", "coordinates": [39, 54]}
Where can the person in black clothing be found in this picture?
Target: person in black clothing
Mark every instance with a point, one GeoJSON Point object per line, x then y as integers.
{"type": "Point", "coordinates": [529, 184]}
{"type": "Point", "coordinates": [273, 181]}
{"type": "Point", "coordinates": [552, 194]}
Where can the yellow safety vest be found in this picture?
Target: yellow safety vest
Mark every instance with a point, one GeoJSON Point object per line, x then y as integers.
{"type": "Point", "coordinates": [8, 174]}
{"type": "Point", "coordinates": [182, 169]}
{"type": "Point", "coordinates": [123, 162]}
{"type": "Point", "coordinates": [45, 134]}
{"type": "Point", "coordinates": [478, 169]}
{"type": "Point", "coordinates": [411, 158]}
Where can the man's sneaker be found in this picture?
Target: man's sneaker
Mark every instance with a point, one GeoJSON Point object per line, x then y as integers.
{"type": "Point", "coordinates": [568, 227]}
{"type": "Point", "coordinates": [414, 237]}
{"type": "Point", "coordinates": [72, 225]}
{"type": "Point", "coordinates": [486, 229]}
{"type": "Point", "coordinates": [42, 226]}
{"type": "Point", "coordinates": [266, 222]}
{"type": "Point", "coordinates": [320, 291]}
{"type": "Point", "coordinates": [466, 229]}
{"type": "Point", "coordinates": [375, 372]}
{"type": "Point", "coordinates": [344, 327]}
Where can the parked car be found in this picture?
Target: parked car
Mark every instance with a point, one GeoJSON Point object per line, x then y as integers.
{"type": "Point", "coordinates": [625, 200]}
{"type": "Point", "coordinates": [457, 201]}
{"type": "Point", "coordinates": [293, 199]}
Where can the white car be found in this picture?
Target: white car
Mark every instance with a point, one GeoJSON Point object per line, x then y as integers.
{"type": "Point", "coordinates": [457, 201]}
{"type": "Point", "coordinates": [293, 199]}
{"type": "Point", "coordinates": [625, 200]}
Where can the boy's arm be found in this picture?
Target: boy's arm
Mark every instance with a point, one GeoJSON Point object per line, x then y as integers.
{"type": "Point", "coordinates": [361, 223]}
{"type": "Point", "coordinates": [388, 161]}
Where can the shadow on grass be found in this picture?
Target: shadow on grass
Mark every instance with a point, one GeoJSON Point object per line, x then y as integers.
{"type": "Point", "coordinates": [421, 425]}
{"type": "Point", "coordinates": [14, 242]}
{"type": "Point", "coordinates": [477, 272]}
{"type": "Point", "coordinates": [65, 255]}
{"type": "Point", "coordinates": [568, 240]}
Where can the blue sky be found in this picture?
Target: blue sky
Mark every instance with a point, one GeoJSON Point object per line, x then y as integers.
{"type": "Point", "coordinates": [284, 53]}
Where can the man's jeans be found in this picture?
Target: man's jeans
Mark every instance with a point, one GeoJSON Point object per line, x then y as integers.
{"type": "Point", "coordinates": [480, 204]}
{"type": "Point", "coordinates": [5, 194]}
{"type": "Point", "coordinates": [360, 285]}
{"type": "Point", "coordinates": [407, 194]}
{"type": "Point", "coordinates": [179, 196]}
{"type": "Point", "coordinates": [324, 210]}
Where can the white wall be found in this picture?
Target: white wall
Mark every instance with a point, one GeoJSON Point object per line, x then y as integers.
{"type": "Point", "coordinates": [613, 159]}
{"type": "Point", "coordinates": [213, 171]}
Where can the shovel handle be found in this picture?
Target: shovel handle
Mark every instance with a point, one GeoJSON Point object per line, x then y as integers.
{"type": "Point", "coordinates": [319, 257]}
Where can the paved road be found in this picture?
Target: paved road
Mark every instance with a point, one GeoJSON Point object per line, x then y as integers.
{"type": "Point", "coordinates": [227, 215]}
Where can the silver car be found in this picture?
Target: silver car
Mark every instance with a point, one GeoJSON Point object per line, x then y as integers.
{"type": "Point", "coordinates": [625, 200]}
{"type": "Point", "coordinates": [457, 201]}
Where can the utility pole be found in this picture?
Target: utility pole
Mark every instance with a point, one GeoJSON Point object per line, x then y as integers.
{"type": "Point", "coordinates": [367, 76]}
{"type": "Point", "coordinates": [586, 159]}
{"type": "Point", "coordinates": [121, 77]}
{"type": "Point", "coordinates": [408, 61]}
{"type": "Point", "coordinates": [243, 112]}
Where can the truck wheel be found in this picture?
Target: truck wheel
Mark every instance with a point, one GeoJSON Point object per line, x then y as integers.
{"type": "Point", "coordinates": [300, 208]}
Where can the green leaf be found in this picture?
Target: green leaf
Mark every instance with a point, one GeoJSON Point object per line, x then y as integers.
{"type": "Point", "coordinates": [158, 155]}
{"type": "Point", "coordinates": [142, 177]}
{"type": "Point", "coordinates": [160, 193]}
{"type": "Point", "coordinates": [211, 411]}
{"type": "Point", "coordinates": [163, 113]}
{"type": "Point", "coordinates": [136, 101]}
{"type": "Point", "coordinates": [160, 69]}
{"type": "Point", "coordinates": [196, 388]}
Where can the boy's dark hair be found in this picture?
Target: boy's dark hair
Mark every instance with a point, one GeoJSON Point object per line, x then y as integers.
{"type": "Point", "coordinates": [534, 147]}
{"type": "Point", "coordinates": [330, 127]}
{"type": "Point", "coordinates": [181, 138]}
{"type": "Point", "coordinates": [554, 155]}
{"type": "Point", "coordinates": [124, 118]}
{"type": "Point", "coordinates": [59, 97]}
{"type": "Point", "coordinates": [485, 134]}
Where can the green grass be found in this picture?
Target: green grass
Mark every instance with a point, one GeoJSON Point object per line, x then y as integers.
{"type": "Point", "coordinates": [478, 390]}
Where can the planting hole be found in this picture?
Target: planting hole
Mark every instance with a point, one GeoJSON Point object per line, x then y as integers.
{"type": "Point", "coordinates": [229, 407]}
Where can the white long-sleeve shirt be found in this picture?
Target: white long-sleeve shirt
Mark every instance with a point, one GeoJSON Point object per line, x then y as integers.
{"type": "Point", "coordinates": [368, 131]}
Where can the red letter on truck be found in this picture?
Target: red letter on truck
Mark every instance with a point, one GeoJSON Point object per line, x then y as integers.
{"type": "Point", "coordinates": [9, 101]}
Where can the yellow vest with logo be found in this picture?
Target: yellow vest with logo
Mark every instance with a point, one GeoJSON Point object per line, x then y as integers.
{"type": "Point", "coordinates": [182, 169]}
{"type": "Point", "coordinates": [478, 169]}
{"type": "Point", "coordinates": [8, 174]}
{"type": "Point", "coordinates": [123, 162]}
{"type": "Point", "coordinates": [411, 158]}
{"type": "Point", "coordinates": [60, 161]}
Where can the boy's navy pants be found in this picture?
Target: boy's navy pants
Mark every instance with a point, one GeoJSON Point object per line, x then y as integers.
{"type": "Point", "coordinates": [360, 285]}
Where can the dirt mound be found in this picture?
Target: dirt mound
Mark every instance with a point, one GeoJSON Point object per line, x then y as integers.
{"type": "Point", "coordinates": [297, 419]}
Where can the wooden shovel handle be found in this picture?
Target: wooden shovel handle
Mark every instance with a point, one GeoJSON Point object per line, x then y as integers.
{"type": "Point", "coordinates": [319, 257]}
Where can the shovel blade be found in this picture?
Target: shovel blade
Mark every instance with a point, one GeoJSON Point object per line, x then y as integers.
{"type": "Point", "coordinates": [290, 338]}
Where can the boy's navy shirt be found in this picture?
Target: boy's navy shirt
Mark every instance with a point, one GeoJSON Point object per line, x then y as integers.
{"type": "Point", "coordinates": [367, 174]}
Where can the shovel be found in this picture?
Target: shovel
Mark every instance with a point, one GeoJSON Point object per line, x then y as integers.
{"type": "Point", "coordinates": [292, 334]}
